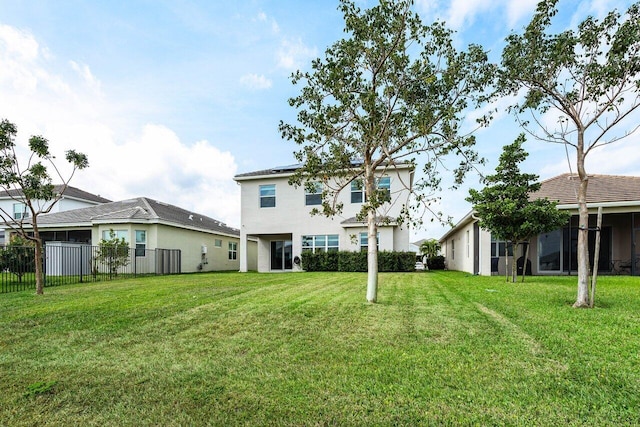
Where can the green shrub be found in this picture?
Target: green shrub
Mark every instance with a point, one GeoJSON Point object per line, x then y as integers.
{"type": "Point", "coordinates": [436, 263]}
{"type": "Point", "coordinates": [349, 261]}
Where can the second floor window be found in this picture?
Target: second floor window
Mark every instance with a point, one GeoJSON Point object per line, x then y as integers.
{"type": "Point", "coordinates": [20, 211]}
{"type": "Point", "coordinates": [358, 195]}
{"type": "Point", "coordinates": [268, 196]}
{"type": "Point", "coordinates": [357, 191]}
{"type": "Point", "coordinates": [313, 197]}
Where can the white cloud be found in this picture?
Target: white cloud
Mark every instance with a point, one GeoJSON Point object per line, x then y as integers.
{"type": "Point", "coordinates": [519, 9]}
{"type": "Point", "coordinates": [464, 11]}
{"type": "Point", "coordinates": [85, 74]}
{"type": "Point", "coordinates": [294, 53]}
{"type": "Point", "coordinates": [74, 113]}
{"type": "Point", "coordinates": [18, 44]}
{"type": "Point", "coordinates": [262, 17]}
{"type": "Point", "coordinates": [254, 81]}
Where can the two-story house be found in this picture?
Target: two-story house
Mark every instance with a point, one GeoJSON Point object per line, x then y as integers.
{"type": "Point", "coordinates": [277, 215]}
{"type": "Point", "coordinates": [12, 206]}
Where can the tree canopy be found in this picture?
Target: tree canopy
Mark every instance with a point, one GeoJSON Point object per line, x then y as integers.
{"type": "Point", "coordinates": [585, 78]}
{"type": "Point", "coordinates": [391, 93]}
{"type": "Point", "coordinates": [29, 184]}
{"type": "Point", "coordinates": [505, 208]}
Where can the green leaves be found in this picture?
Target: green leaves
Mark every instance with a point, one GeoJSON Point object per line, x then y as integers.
{"type": "Point", "coordinates": [504, 206]}
{"type": "Point", "coordinates": [392, 90]}
{"type": "Point", "coordinates": [581, 73]}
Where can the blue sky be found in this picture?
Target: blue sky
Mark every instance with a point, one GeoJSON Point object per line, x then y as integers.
{"type": "Point", "coordinates": [171, 99]}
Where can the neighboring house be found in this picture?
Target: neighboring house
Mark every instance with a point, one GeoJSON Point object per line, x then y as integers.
{"type": "Point", "coordinates": [468, 248]}
{"type": "Point", "coordinates": [277, 214]}
{"type": "Point", "coordinates": [11, 204]}
{"type": "Point", "coordinates": [206, 244]}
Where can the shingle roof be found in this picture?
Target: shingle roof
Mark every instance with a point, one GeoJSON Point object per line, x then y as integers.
{"type": "Point", "coordinates": [70, 192]}
{"type": "Point", "coordinates": [601, 189]}
{"type": "Point", "coordinates": [289, 169]}
{"type": "Point", "coordinates": [140, 209]}
{"type": "Point", "coordinates": [276, 170]}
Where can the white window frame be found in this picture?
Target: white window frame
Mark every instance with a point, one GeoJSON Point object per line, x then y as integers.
{"type": "Point", "coordinates": [106, 234]}
{"type": "Point", "coordinates": [141, 244]}
{"type": "Point", "coordinates": [265, 195]}
{"type": "Point", "coordinates": [313, 198]}
{"type": "Point", "coordinates": [233, 251]}
{"type": "Point", "coordinates": [20, 211]}
{"type": "Point", "coordinates": [364, 241]}
{"type": "Point", "coordinates": [321, 243]}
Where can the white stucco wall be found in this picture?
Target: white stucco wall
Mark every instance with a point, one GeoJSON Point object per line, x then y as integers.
{"type": "Point", "coordinates": [290, 219]}
{"type": "Point", "coordinates": [190, 243]}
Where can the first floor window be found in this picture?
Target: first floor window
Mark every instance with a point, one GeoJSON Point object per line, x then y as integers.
{"type": "Point", "coordinates": [364, 241]}
{"type": "Point", "coordinates": [500, 248]}
{"type": "Point", "coordinates": [321, 243]}
{"type": "Point", "coordinates": [141, 242]}
{"type": "Point", "coordinates": [268, 196]}
{"type": "Point", "coordinates": [233, 250]}
{"type": "Point", "coordinates": [20, 211]}
{"type": "Point", "coordinates": [117, 234]}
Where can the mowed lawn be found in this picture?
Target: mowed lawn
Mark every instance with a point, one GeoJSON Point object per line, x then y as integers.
{"type": "Point", "coordinates": [440, 348]}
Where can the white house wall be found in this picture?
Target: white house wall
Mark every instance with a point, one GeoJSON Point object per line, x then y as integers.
{"type": "Point", "coordinates": [458, 249]}
{"type": "Point", "coordinates": [189, 242]}
{"type": "Point", "coordinates": [290, 219]}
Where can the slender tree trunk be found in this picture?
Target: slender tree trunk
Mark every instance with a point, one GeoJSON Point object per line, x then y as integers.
{"type": "Point", "coordinates": [596, 260]}
{"type": "Point", "coordinates": [526, 257]}
{"type": "Point", "coordinates": [372, 245]}
{"type": "Point", "coordinates": [514, 264]}
{"type": "Point", "coordinates": [583, 228]}
{"type": "Point", "coordinates": [506, 262]}
{"type": "Point", "coordinates": [372, 258]}
{"type": "Point", "coordinates": [39, 272]}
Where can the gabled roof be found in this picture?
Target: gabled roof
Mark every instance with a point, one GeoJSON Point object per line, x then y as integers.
{"type": "Point", "coordinates": [138, 210]}
{"type": "Point", "coordinates": [69, 193]}
{"type": "Point", "coordinates": [601, 189]}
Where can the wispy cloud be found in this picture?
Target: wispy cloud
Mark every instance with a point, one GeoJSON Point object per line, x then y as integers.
{"type": "Point", "coordinates": [294, 53]}
{"type": "Point", "coordinates": [254, 81]}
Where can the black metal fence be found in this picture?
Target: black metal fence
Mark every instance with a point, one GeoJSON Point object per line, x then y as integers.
{"type": "Point", "coordinates": [71, 263]}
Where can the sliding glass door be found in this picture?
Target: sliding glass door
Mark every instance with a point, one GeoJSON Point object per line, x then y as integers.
{"type": "Point", "coordinates": [281, 255]}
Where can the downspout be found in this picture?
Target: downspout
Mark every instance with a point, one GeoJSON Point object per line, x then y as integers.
{"type": "Point", "coordinates": [475, 218]}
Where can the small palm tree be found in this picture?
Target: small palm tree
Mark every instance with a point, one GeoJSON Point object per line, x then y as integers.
{"type": "Point", "coordinates": [430, 248]}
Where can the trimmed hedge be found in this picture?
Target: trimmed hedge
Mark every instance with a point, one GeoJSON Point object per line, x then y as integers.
{"type": "Point", "coordinates": [357, 261]}
{"type": "Point", "coordinates": [436, 263]}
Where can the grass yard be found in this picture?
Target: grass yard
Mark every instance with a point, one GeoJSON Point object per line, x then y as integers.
{"type": "Point", "coordinates": [440, 348]}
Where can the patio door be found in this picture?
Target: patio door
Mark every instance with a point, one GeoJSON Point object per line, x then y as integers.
{"type": "Point", "coordinates": [281, 255]}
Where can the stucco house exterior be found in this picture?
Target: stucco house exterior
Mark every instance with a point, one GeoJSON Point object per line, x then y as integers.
{"type": "Point", "coordinates": [468, 248]}
{"type": "Point", "coordinates": [12, 206]}
{"type": "Point", "coordinates": [277, 215]}
{"type": "Point", "coordinates": [205, 244]}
